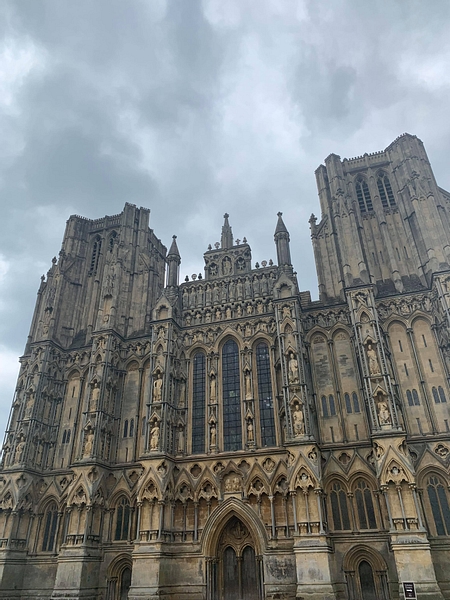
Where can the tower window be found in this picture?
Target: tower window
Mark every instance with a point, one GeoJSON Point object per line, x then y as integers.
{"type": "Point", "coordinates": [439, 505]}
{"type": "Point", "coordinates": [50, 523]}
{"type": "Point", "coordinates": [198, 403]}
{"type": "Point", "coordinates": [348, 404]}
{"type": "Point", "coordinates": [96, 249]}
{"type": "Point", "coordinates": [385, 191]}
{"type": "Point", "coordinates": [123, 520]}
{"type": "Point", "coordinates": [232, 425]}
{"type": "Point", "coordinates": [265, 395]}
{"type": "Point", "coordinates": [363, 195]}
{"type": "Point", "coordinates": [442, 394]}
{"type": "Point", "coordinates": [355, 402]}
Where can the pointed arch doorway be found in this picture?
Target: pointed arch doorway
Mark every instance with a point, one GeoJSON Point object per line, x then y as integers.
{"type": "Point", "coordinates": [239, 569]}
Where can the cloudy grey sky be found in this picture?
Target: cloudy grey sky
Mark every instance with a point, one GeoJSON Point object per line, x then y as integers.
{"type": "Point", "coordinates": [197, 107]}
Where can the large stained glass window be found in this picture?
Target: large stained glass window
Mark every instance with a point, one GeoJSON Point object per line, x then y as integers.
{"type": "Point", "coordinates": [198, 404]}
{"type": "Point", "coordinates": [439, 505]}
{"type": "Point", "coordinates": [364, 505]}
{"type": "Point", "coordinates": [265, 395]}
{"type": "Point", "coordinates": [339, 507]}
{"type": "Point", "coordinates": [232, 425]}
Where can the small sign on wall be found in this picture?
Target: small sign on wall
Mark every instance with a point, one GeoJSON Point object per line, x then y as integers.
{"type": "Point", "coordinates": [409, 590]}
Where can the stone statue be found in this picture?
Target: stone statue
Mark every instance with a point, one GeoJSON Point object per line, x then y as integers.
{"type": "Point", "coordinates": [298, 420]}
{"type": "Point", "coordinates": [29, 405]}
{"type": "Point", "coordinates": [182, 400]}
{"type": "Point", "coordinates": [248, 386]}
{"type": "Point", "coordinates": [157, 388]}
{"type": "Point", "coordinates": [213, 435]}
{"type": "Point", "coordinates": [293, 368]}
{"type": "Point", "coordinates": [383, 412]}
{"type": "Point", "coordinates": [154, 436]}
{"type": "Point", "coordinates": [250, 432]}
{"type": "Point", "coordinates": [88, 442]}
{"type": "Point", "coordinates": [372, 358]}
{"type": "Point", "coordinates": [180, 445]}
{"type": "Point", "coordinates": [20, 450]}
{"type": "Point", "coordinates": [212, 388]}
{"type": "Point", "coordinates": [95, 396]}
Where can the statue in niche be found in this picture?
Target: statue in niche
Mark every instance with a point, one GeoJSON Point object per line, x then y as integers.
{"type": "Point", "coordinates": [154, 436]}
{"type": "Point", "coordinates": [250, 432]}
{"type": "Point", "coordinates": [212, 388]}
{"type": "Point", "coordinates": [226, 266]}
{"type": "Point", "coordinates": [20, 449]}
{"type": "Point", "coordinates": [228, 313]}
{"type": "Point", "coordinates": [248, 288]}
{"type": "Point", "coordinates": [157, 388]}
{"type": "Point", "coordinates": [95, 397]}
{"type": "Point", "coordinates": [248, 386]}
{"type": "Point", "coordinates": [372, 359]}
{"type": "Point", "coordinates": [88, 442]}
{"type": "Point", "coordinates": [30, 403]}
{"type": "Point", "coordinates": [239, 311]}
{"type": "Point", "coordinates": [384, 415]}
{"type": "Point", "coordinates": [293, 368]}
{"type": "Point", "coordinates": [180, 444]}
{"type": "Point", "coordinates": [182, 399]}
{"type": "Point", "coordinates": [213, 435]}
{"type": "Point", "coordinates": [298, 420]}
{"type": "Point", "coordinates": [239, 289]}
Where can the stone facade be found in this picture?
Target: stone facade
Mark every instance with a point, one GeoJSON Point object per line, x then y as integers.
{"type": "Point", "coordinates": [227, 437]}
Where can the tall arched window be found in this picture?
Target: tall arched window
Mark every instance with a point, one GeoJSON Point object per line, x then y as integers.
{"type": "Point", "coordinates": [367, 581]}
{"type": "Point", "coordinates": [339, 507]}
{"type": "Point", "coordinates": [332, 405]}
{"type": "Point", "coordinates": [112, 238]}
{"type": "Point", "coordinates": [50, 524]}
{"type": "Point", "coordinates": [125, 428]}
{"type": "Point", "coordinates": [198, 403]}
{"type": "Point", "coordinates": [385, 190]}
{"type": "Point", "coordinates": [364, 506]}
{"type": "Point", "coordinates": [438, 498]}
{"type": "Point", "coordinates": [265, 395]}
{"type": "Point", "coordinates": [122, 520]}
{"type": "Point", "coordinates": [348, 404]}
{"type": "Point", "coordinates": [96, 249]}
{"type": "Point", "coordinates": [232, 425]}
{"type": "Point", "coordinates": [131, 432]}
{"type": "Point", "coordinates": [324, 406]}
{"type": "Point", "coordinates": [442, 394]}
{"type": "Point", "coordinates": [363, 195]}
{"type": "Point", "coordinates": [355, 402]}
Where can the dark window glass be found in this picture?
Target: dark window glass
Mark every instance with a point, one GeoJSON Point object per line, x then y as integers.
{"type": "Point", "coordinates": [198, 403]}
{"type": "Point", "coordinates": [367, 582]}
{"type": "Point", "coordinates": [266, 415]}
{"type": "Point", "coordinates": [385, 191]}
{"type": "Point", "coordinates": [416, 398]}
{"type": "Point", "coordinates": [339, 508]}
{"type": "Point", "coordinates": [355, 402]}
{"type": "Point", "coordinates": [95, 255]}
{"type": "Point", "coordinates": [123, 520]}
{"type": "Point", "coordinates": [437, 400]}
{"type": "Point", "coordinates": [332, 405]}
{"type": "Point", "coordinates": [131, 432]}
{"type": "Point", "coordinates": [125, 428]}
{"type": "Point", "coordinates": [68, 436]}
{"type": "Point", "coordinates": [324, 406]}
{"type": "Point", "coordinates": [144, 421]}
{"type": "Point", "coordinates": [363, 196]}
{"type": "Point", "coordinates": [348, 404]}
{"type": "Point", "coordinates": [409, 397]}
{"type": "Point", "coordinates": [232, 425]}
{"type": "Point", "coordinates": [50, 523]}
{"type": "Point", "coordinates": [64, 437]}
{"type": "Point", "coordinates": [439, 505]}
{"type": "Point", "coordinates": [364, 505]}
{"type": "Point", "coordinates": [442, 394]}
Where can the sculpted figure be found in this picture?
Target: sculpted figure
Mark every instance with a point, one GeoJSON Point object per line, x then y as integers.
{"type": "Point", "coordinates": [248, 386]}
{"type": "Point", "coordinates": [212, 388]}
{"type": "Point", "coordinates": [95, 396]}
{"type": "Point", "coordinates": [213, 435]}
{"type": "Point", "coordinates": [298, 421]}
{"type": "Point", "coordinates": [372, 358]}
{"type": "Point", "coordinates": [157, 388]}
{"type": "Point", "coordinates": [383, 413]}
{"type": "Point", "coordinates": [154, 436]}
{"type": "Point", "coordinates": [293, 368]}
{"type": "Point", "coordinates": [250, 433]}
{"type": "Point", "coordinates": [88, 442]}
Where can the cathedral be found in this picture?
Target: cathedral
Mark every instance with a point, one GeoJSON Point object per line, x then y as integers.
{"type": "Point", "coordinates": [226, 437]}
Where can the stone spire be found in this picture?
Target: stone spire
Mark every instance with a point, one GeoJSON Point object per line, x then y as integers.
{"type": "Point", "coordinates": [282, 240]}
{"type": "Point", "coordinates": [173, 260]}
{"type": "Point", "coordinates": [227, 234]}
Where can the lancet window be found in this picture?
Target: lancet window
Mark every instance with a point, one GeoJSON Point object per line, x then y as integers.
{"type": "Point", "coordinates": [122, 520]}
{"type": "Point", "coordinates": [363, 195]}
{"type": "Point", "coordinates": [364, 506]}
{"type": "Point", "coordinates": [265, 394]}
{"type": "Point", "coordinates": [50, 525]}
{"type": "Point", "coordinates": [439, 395]}
{"type": "Point", "coordinates": [232, 425]}
{"type": "Point", "coordinates": [198, 403]}
{"type": "Point", "coordinates": [339, 507]}
{"type": "Point", "coordinates": [385, 190]}
{"type": "Point", "coordinates": [440, 509]}
{"type": "Point", "coordinates": [96, 249]}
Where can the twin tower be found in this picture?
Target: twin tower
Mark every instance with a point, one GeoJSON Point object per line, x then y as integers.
{"type": "Point", "coordinates": [226, 437]}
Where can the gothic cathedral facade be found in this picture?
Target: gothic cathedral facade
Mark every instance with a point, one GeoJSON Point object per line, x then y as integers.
{"type": "Point", "coordinates": [226, 437]}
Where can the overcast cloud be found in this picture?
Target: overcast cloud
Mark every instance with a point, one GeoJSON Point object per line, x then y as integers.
{"type": "Point", "coordinates": [193, 108]}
